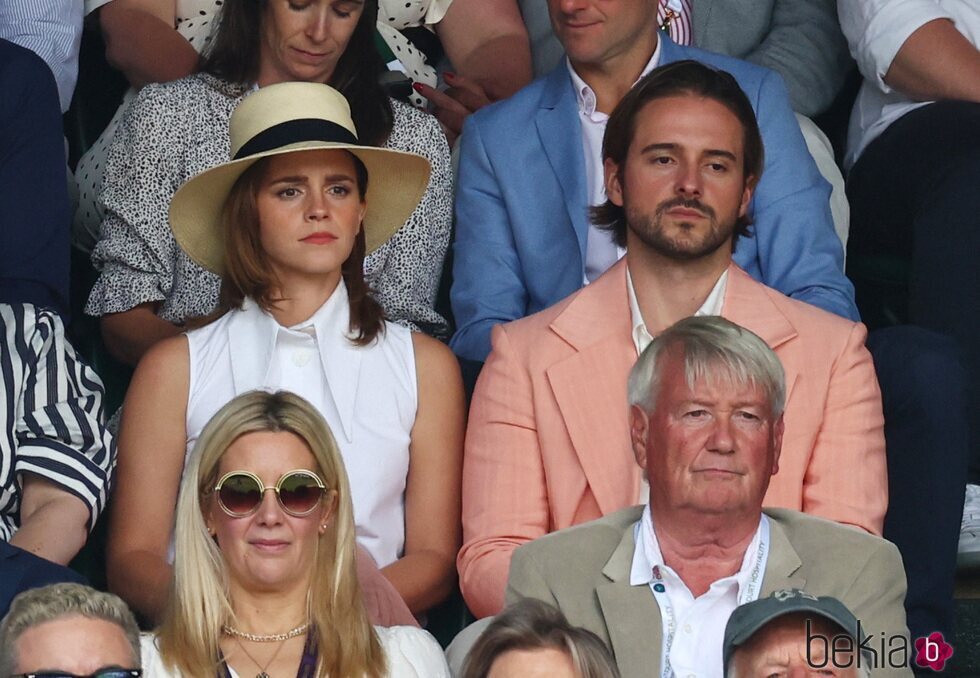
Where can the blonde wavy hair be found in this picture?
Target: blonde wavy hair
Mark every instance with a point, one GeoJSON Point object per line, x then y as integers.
{"type": "Point", "coordinates": [199, 602]}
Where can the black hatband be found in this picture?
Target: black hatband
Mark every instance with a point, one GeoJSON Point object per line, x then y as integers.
{"type": "Point", "coordinates": [295, 131]}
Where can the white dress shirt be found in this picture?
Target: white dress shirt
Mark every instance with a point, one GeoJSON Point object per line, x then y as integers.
{"type": "Point", "coordinates": [699, 623]}
{"type": "Point", "coordinates": [600, 250]}
{"type": "Point", "coordinates": [367, 394]}
{"type": "Point", "coordinates": [875, 31]}
{"type": "Point", "coordinates": [641, 337]}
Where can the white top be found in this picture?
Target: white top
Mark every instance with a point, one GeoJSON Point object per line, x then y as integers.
{"type": "Point", "coordinates": [641, 337]}
{"type": "Point", "coordinates": [699, 623]}
{"type": "Point", "coordinates": [600, 250]}
{"type": "Point", "coordinates": [875, 31]}
{"type": "Point", "coordinates": [411, 653]}
{"type": "Point", "coordinates": [367, 394]}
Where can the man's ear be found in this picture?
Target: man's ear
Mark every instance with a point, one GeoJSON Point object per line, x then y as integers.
{"type": "Point", "coordinates": [747, 194]}
{"type": "Point", "coordinates": [639, 432]}
{"type": "Point", "coordinates": [777, 443]}
{"type": "Point", "coordinates": [613, 181]}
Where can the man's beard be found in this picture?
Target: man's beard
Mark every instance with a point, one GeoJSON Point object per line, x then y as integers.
{"type": "Point", "coordinates": [650, 230]}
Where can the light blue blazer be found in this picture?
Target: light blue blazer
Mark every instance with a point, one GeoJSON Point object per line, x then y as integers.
{"type": "Point", "coordinates": [522, 205]}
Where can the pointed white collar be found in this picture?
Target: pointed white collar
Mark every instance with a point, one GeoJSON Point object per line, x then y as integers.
{"type": "Point", "coordinates": [252, 335]}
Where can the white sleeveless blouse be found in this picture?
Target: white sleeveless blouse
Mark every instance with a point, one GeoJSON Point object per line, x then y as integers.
{"type": "Point", "coordinates": [368, 396]}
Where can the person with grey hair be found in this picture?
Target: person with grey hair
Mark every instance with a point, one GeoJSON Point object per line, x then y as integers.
{"type": "Point", "coordinates": [658, 582]}
{"type": "Point", "coordinates": [547, 443]}
{"type": "Point", "coordinates": [69, 629]}
{"type": "Point", "coordinates": [532, 638]}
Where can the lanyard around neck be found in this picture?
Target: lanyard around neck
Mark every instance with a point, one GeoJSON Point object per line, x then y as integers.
{"type": "Point", "coordinates": [746, 594]}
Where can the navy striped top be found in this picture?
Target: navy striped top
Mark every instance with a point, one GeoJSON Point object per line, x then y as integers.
{"type": "Point", "coordinates": [51, 406]}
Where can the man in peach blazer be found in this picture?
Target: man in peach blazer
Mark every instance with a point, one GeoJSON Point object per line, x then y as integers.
{"type": "Point", "coordinates": [548, 444]}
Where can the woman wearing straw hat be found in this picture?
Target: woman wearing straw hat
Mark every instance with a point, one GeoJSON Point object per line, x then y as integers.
{"type": "Point", "coordinates": [148, 287]}
{"type": "Point", "coordinates": [287, 223]}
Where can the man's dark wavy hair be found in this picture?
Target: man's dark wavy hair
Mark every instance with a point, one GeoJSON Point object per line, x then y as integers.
{"type": "Point", "coordinates": [678, 78]}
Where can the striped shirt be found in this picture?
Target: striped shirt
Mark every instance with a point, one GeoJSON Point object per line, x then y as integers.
{"type": "Point", "coordinates": [674, 16]}
{"type": "Point", "coordinates": [52, 409]}
{"type": "Point", "coordinates": [52, 29]}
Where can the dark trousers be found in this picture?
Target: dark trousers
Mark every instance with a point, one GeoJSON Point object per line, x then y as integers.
{"type": "Point", "coordinates": [924, 400]}
{"type": "Point", "coordinates": [915, 194]}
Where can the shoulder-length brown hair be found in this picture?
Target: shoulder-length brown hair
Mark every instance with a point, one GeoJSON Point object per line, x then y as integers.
{"type": "Point", "coordinates": [235, 51]}
{"type": "Point", "coordinates": [248, 272]}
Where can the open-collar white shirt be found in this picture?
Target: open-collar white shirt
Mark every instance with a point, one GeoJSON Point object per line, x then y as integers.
{"type": "Point", "coordinates": [600, 250]}
{"type": "Point", "coordinates": [641, 336]}
{"type": "Point", "coordinates": [696, 651]}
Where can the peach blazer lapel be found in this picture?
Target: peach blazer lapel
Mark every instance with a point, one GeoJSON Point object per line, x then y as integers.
{"type": "Point", "coordinates": [747, 303]}
{"type": "Point", "coordinates": [589, 387]}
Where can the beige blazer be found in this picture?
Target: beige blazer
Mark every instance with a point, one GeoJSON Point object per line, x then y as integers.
{"type": "Point", "coordinates": [547, 444]}
{"type": "Point", "coordinates": [585, 572]}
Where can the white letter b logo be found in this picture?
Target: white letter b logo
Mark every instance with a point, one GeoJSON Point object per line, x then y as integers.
{"type": "Point", "coordinates": [931, 650]}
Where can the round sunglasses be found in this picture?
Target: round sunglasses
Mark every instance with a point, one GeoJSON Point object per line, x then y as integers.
{"type": "Point", "coordinates": [240, 492]}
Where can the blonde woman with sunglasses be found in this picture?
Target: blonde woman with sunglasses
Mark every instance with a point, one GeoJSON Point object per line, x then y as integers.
{"type": "Point", "coordinates": [287, 223]}
{"type": "Point", "coordinates": [264, 580]}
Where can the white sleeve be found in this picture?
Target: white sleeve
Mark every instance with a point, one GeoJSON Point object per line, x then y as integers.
{"type": "Point", "coordinates": [153, 666]}
{"type": "Point", "coordinates": [877, 29]}
{"type": "Point", "coordinates": [412, 653]}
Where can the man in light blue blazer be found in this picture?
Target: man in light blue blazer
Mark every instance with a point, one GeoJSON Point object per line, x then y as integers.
{"type": "Point", "coordinates": [522, 198]}
{"type": "Point", "coordinates": [799, 39]}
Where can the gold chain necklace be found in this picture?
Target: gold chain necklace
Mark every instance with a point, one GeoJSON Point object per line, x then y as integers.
{"type": "Point", "coordinates": [262, 673]}
{"type": "Point", "coordinates": [265, 638]}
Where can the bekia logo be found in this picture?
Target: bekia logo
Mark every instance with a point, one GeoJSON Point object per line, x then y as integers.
{"type": "Point", "coordinates": [932, 651]}
{"type": "Point", "coordinates": [893, 652]}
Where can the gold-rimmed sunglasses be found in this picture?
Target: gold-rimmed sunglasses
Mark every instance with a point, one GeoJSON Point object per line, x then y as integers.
{"type": "Point", "coordinates": [298, 491]}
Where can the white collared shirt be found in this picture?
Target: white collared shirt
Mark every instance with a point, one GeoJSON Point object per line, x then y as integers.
{"type": "Point", "coordinates": [367, 394]}
{"type": "Point", "coordinates": [641, 337]}
{"type": "Point", "coordinates": [700, 622]}
{"type": "Point", "coordinates": [876, 30]}
{"type": "Point", "coordinates": [600, 250]}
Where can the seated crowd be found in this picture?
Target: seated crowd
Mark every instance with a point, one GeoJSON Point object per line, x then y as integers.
{"type": "Point", "coordinates": [408, 328]}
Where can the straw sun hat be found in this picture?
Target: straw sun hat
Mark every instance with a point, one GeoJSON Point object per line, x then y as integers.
{"type": "Point", "coordinates": [285, 118]}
